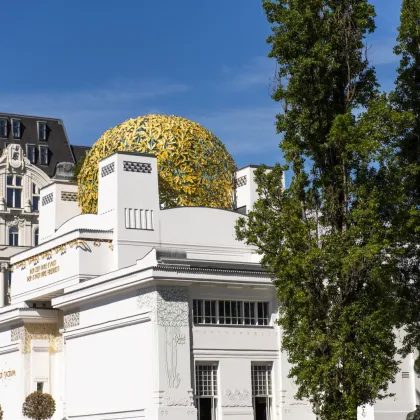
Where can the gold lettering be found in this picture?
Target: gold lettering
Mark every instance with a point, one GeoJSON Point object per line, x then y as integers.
{"type": "Point", "coordinates": [43, 270]}
{"type": "Point", "coordinates": [7, 374]}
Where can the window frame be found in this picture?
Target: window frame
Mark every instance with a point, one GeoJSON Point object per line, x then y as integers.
{"type": "Point", "coordinates": [36, 236]}
{"type": "Point", "coordinates": [39, 131]}
{"type": "Point", "coordinates": [267, 382]}
{"type": "Point", "coordinates": [36, 193]}
{"type": "Point", "coordinates": [43, 147]}
{"type": "Point", "coordinates": [201, 382]}
{"type": "Point", "coordinates": [6, 135]}
{"type": "Point", "coordinates": [13, 128]}
{"type": "Point", "coordinates": [14, 187]}
{"type": "Point", "coordinates": [27, 152]}
{"type": "Point", "coordinates": [231, 312]}
{"type": "Point", "coordinates": [13, 236]}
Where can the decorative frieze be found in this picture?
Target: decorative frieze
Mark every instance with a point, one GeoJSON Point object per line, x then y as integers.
{"type": "Point", "coordinates": [108, 169]}
{"type": "Point", "coordinates": [72, 320]}
{"type": "Point", "coordinates": [17, 334]}
{"type": "Point", "coordinates": [47, 199]}
{"type": "Point", "coordinates": [68, 196]}
{"type": "Point", "coordinates": [145, 168]}
{"type": "Point", "coordinates": [241, 181]}
{"type": "Point", "coordinates": [29, 332]}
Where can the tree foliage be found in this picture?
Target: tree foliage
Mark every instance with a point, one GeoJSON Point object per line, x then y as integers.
{"type": "Point", "coordinates": [406, 97]}
{"type": "Point", "coordinates": [328, 240]}
{"type": "Point", "coordinates": [38, 406]}
{"type": "Point", "coordinates": [1, 413]}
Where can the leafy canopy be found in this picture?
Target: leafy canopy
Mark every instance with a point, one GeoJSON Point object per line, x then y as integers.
{"type": "Point", "coordinates": [328, 239]}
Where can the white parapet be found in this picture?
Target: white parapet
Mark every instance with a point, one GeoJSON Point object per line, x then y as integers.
{"type": "Point", "coordinates": [58, 204]}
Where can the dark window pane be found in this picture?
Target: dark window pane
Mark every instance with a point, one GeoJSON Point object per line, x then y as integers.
{"type": "Point", "coordinates": [228, 319]}
{"type": "Point", "coordinates": [16, 128]}
{"type": "Point", "coordinates": [9, 179]}
{"type": "Point", "coordinates": [35, 204]}
{"type": "Point", "coordinates": [42, 131]}
{"type": "Point", "coordinates": [3, 127]}
{"type": "Point", "coordinates": [213, 312]}
{"type": "Point", "coordinates": [207, 311]}
{"type": "Point", "coordinates": [18, 194]}
{"type": "Point", "coordinates": [221, 312]}
{"type": "Point", "coordinates": [197, 308]}
{"type": "Point", "coordinates": [234, 312]}
{"type": "Point", "coordinates": [10, 197]}
{"type": "Point", "coordinates": [204, 408]}
{"type": "Point", "coordinates": [36, 237]}
{"type": "Point", "coordinates": [18, 181]}
{"type": "Point", "coordinates": [261, 408]}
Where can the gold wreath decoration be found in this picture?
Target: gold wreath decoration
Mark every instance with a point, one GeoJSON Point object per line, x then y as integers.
{"type": "Point", "coordinates": [195, 169]}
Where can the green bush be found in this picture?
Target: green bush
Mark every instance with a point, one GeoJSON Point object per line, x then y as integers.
{"type": "Point", "coordinates": [417, 365]}
{"type": "Point", "coordinates": [1, 413]}
{"type": "Point", "coordinates": [38, 406]}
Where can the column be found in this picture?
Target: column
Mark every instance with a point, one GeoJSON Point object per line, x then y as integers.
{"type": "Point", "coordinates": [4, 285]}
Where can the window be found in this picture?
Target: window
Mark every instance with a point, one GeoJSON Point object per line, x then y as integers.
{"type": "Point", "coordinates": [13, 236]}
{"type": "Point", "coordinates": [261, 391]}
{"type": "Point", "coordinates": [40, 386]}
{"type": "Point", "coordinates": [42, 130]}
{"type": "Point", "coordinates": [36, 237]}
{"type": "Point", "coordinates": [3, 127]}
{"type": "Point", "coordinates": [206, 390]}
{"type": "Point", "coordinates": [16, 128]}
{"type": "Point", "coordinates": [35, 198]}
{"type": "Point", "coordinates": [14, 191]}
{"type": "Point", "coordinates": [230, 312]}
{"type": "Point", "coordinates": [43, 152]}
{"type": "Point", "coordinates": [31, 152]}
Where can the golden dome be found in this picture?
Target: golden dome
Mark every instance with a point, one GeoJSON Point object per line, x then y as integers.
{"type": "Point", "coordinates": [195, 169]}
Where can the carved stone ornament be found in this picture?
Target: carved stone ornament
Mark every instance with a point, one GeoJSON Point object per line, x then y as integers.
{"type": "Point", "coordinates": [16, 221]}
{"type": "Point", "coordinates": [169, 309]}
{"type": "Point", "coordinates": [14, 157]}
{"type": "Point", "coordinates": [236, 398]}
{"type": "Point", "coordinates": [72, 320]}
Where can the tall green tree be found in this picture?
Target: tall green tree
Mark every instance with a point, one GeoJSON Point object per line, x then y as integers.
{"type": "Point", "coordinates": [406, 98]}
{"type": "Point", "coordinates": [328, 240]}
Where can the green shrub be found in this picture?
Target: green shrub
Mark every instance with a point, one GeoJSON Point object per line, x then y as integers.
{"type": "Point", "coordinates": [38, 406]}
{"type": "Point", "coordinates": [1, 413]}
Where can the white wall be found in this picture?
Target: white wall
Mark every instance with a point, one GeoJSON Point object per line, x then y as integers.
{"type": "Point", "coordinates": [109, 372]}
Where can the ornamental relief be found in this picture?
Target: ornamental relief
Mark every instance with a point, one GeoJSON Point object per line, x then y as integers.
{"type": "Point", "coordinates": [16, 221]}
{"type": "Point", "coordinates": [48, 332]}
{"type": "Point", "coordinates": [17, 334]}
{"type": "Point", "coordinates": [71, 320]}
{"type": "Point", "coordinates": [236, 398]}
{"type": "Point", "coordinates": [169, 309]}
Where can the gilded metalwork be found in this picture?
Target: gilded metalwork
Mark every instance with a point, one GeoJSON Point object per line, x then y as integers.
{"type": "Point", "coordinates": [60, 249]}
{"type": "Point", "coordinates": [195, 169]}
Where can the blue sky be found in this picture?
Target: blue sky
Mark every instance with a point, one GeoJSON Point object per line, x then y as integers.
{"type": "Point", "coordinates": [96, 63]}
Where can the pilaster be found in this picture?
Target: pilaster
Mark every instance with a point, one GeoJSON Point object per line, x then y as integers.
{"type": "Point", "coordinates": [172, 397]}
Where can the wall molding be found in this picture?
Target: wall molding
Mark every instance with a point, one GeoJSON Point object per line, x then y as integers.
{"type": "Point", "coordinates": [77, 332]}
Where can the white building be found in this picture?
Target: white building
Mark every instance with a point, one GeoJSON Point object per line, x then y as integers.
{"type": "Point", "coordinates": [143, 313]}
{"type": "Point", "coordinates": [34, 150]}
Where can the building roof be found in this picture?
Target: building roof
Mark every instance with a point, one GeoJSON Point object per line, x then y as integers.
{"type": "Point", "coordinates": [57, 141]}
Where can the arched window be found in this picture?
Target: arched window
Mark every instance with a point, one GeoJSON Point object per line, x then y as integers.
{"type": "Point", "coordinates": [13, 236]}
{"type": "Point", "coordinates": [36, 237]}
